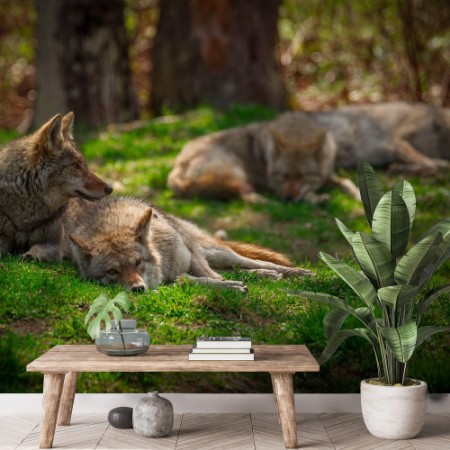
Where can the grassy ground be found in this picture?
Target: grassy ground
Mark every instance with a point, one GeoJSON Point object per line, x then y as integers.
{"type": "Point", "coordinates": [44, 304]}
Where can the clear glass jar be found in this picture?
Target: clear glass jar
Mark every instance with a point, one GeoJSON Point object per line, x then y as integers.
{"type": "Point", "coordinates": [125, 342]}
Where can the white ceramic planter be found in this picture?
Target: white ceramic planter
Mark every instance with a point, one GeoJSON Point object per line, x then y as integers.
{"type": "Point", "coordinates": [394, 412]}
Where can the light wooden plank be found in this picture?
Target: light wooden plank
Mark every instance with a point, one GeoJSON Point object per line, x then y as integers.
{"type": "Point", "coordinates": [348, 432]}
{"type": "Point", "coordinates": [84, 433]}
{"type": "Point", "coordinates": [435, 434]}
{"type": "Point", "coordinates": [267, 432]}
{"type": "Point", "coordinates": [222, 431]}
{"type": "Point", "coordinates": [128, 440]}
{"type": "Point", "coordinates": [215, 431]}
{"type": "Point", "coordinates": [339, 426]}
{"type": "Point", "coordinates": [311, 433]}
{"type": "Point", "coordinates": [15, 428]}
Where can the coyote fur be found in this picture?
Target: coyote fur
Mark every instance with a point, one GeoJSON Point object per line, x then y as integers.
{"type": "Point", "coordinates": [405, 137]}
{"type": "Point", "coordinates": [124, 240]}
{"type": "Point", "coordinates": [292, 156]}
{"type": "Point", "coordinates": [39, 173]}
{"type": "Point", "coordinates": [296, 154]}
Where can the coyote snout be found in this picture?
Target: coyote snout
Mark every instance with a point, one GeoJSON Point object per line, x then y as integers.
{"type": "Point", "coordinates": [132, 279]}
{"type": "Point", "coordinates": [83, 183]}
{"type": "Point", "coordinates": [291, 190]}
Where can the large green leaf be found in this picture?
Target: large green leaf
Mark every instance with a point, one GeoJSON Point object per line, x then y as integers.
{"type": "Point", "coordinates": [335, 318]}
{"type": "Point", "coordinates": [401, 340]}
{"type": "Point", "coordinates": [336, 340]}
{"type": "Point", "coordinates": [356, 280]}
{"type": "Point", "coordinates": [445, 255]}
{"type": "Point", "coordinates": [406, 192]}
{"type": "Point", "coordinates": [429, 297]}
{"type": "Point", "coordinates": [374, 258]}
{"type": "Point", "coordinates": [425, 332]}
{"type": "Point", "coordinates": [348, 234]}
{"type": "Point", "coordinates": [418, 264]}
{"type": "Point", "coordinates": [370, 188]}
{"type": "Point", "coordinates": [443, 228]}
{"type": "Point", "coordinates": [362, 314]}
{"type": "Point", "coordinates": [391, 224]}
{"type": "Point", "coordinates": [101, 311]}
{"type": "Point", "coordinates": [398, 295]}
{"type": "Point", "coordinates": [96, 307]}
{"type": "Point", "coordinates": [365, 315]}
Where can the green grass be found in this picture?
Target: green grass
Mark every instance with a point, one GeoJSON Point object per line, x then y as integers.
{"type": "Point", "coordinates": [42, 305]}
{"type": "Point", "coordinates": [7, 135]}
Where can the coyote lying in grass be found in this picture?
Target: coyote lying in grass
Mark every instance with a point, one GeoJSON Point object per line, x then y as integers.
{"type": "Point", "coordinates": [292, 156]}
{"type": "Point", "coordinates": [296, 154]}
{"type": "Point", "coordinates": [400, 136]}
{"type": "Point", "coordinates": [124, 240]}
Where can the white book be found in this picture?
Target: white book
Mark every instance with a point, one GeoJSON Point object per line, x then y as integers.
{"type": "Point", "coordinates": [220, 350]}
{"type": "Point", "coordinates": [224, 342]}
{"type": "Point", "coordinates": [221, 356]}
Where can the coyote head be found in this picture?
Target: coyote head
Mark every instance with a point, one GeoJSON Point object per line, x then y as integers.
{"type": "Point", "coordinates": [119, 255]}
{"type": "Point", "coordinates": [58, 167]}
{"type": "Point", "coordinates": [299, 156]}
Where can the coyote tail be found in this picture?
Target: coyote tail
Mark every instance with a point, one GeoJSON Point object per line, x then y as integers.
{"type": "Point", "coordinates": [253, 251]}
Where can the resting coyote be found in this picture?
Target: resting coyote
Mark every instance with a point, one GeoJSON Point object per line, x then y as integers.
{"type": "Point", "coordinates": [38, 175]}
{"type": "Point", "coordinates": [124, 240]}
{"type": "Point", "coordinates": [296, 154]}
{"type": "Point", "coordinates": [412, 138]}
{"type": "Point", "coordinates": [292, 156]}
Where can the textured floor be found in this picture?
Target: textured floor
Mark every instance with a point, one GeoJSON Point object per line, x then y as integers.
{"type": "Point", "coordinates": [220, 432]}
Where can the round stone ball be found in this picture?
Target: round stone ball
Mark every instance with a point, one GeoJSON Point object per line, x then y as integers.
{"type": "Point", "coordinates": [121, 417]}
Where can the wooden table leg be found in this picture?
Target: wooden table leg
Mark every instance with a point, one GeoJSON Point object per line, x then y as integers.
{"type": "Point", "coordinates": [276, 401]}
{"type": "Point", "coordinates": [53, 384]}
{"type": "Point", "coordinates": [68, 397]}
{"type": "Point", "coordinates": [283, 388]}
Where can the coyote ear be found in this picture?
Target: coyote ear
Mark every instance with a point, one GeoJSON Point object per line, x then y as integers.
{"type": "Point", "coordinates": [320, 137]}
{"type": "Point", "coordinates": [143, 225]}
{"type": "Point", "coordinates": [278, 138]}
{"type": "Point", "coordinates": [50, 135]}
{"type": "Point", "coordinates": [268, 144]}
{"type": "Point", "coordinates": [327, 155]}
{"type": "Point", "coordinates": [81, 244]}
{"type": "Point", "coordinates": [67, 128]}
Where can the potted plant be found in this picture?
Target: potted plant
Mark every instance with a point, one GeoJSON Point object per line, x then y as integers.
{"type": "Point", "coordinates": [393, 285]}
{"type": "Point", "coordinates": [119, 337]}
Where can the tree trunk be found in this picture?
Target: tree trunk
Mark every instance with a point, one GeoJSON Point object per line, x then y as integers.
{"type": "Point", "coordinates": [217, 52]}
{"type": "Point", "coordinates": [413, 48]}
{"type": "Point", "coordinates": [82, 62]}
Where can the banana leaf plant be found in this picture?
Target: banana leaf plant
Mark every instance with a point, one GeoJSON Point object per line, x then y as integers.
{"type": "Point", "coordinates": [393, 283]}
{"type": "Point", "coordinates": [103, 310]}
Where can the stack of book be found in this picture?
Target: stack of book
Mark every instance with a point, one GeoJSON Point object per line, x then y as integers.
{"type": "Point", "coordinates": [234, 348]}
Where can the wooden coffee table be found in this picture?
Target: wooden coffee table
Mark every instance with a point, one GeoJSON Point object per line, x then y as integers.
{"type": "Point", "coordinates": [62, 363]}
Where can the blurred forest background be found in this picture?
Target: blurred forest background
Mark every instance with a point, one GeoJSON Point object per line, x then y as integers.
{"type": "Point", "coordinates": [327, 53]}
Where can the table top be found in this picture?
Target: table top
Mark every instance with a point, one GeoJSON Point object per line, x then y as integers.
{"type": "Point", "coordinates": [172, 358]}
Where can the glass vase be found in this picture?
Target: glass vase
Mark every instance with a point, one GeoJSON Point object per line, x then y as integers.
{"type": "Point", "coordinates": [123, 341]}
